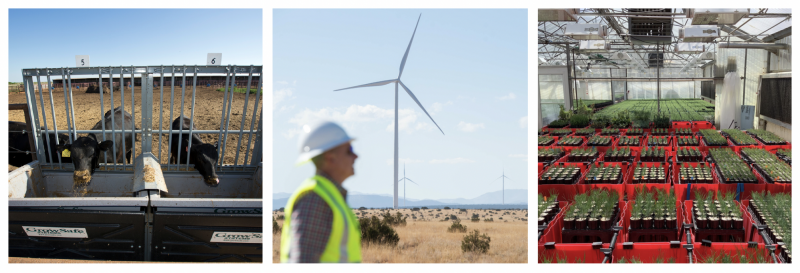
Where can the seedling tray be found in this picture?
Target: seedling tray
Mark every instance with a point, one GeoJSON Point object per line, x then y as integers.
{"type": "Point", "coordinates": [638, 234]}
{"type": "Point", "coordinates": [569, 180]}
{"type": "Point", "coordinates": [709, 145]}
{"type": "Point", "coordinates": [724, 180]}
{"type": "Point", "coordinates": [552, 158]}
{"type": "Point", "coordinates": [736, 233]}
{"type": "Point", "coordinates": [699, 141]}
{"type": "Point", "coordinates": [766, 177]}
{"type": "Point", "coordinates": [570, 233]}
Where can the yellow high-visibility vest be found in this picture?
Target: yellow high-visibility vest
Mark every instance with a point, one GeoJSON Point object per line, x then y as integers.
{"type": "Point", "coordinates": [344, 244]}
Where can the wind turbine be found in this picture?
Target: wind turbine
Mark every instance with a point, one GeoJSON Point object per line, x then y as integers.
{"type": "Point", "coordinates": [396, 82]}
{"type": "Point", "coordinates": [404, 183]}
{"type": "Point", "coordinates": [504, 184]}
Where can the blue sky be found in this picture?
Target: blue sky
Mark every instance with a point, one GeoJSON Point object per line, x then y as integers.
{"type": "Point", "coordinates": [467, 67]}
{"type": "Point", "coordinates": [131, 37]}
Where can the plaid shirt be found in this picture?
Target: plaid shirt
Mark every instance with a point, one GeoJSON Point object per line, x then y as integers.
{"type": "Point", "coordinates": [311, 225]}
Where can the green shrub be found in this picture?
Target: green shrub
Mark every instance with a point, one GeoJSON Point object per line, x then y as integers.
{"type": "Point", "coordinates": [396, 220]}
{"type": "Point", "coordinates": [600, 121]}
{"type": "Point", "coordinates": [475, 242]}
{"type": "Point", "coordinates": [375, 231]}
{"type": "Point", "coordinates": [661, 120]}
{"type": "Point", "coordinates": [275, 227]}
{"type": "Point", "coordinates": [563, 114]}
{"type": "Point", "coordinates": [457, 227]}
{"type": "Point", "coordinates": [622, 120]}
{"type": "Point", "coordinates": [281, 217]}
{"type": "Point", "coordinates": [579, 121]}
{"type": "Point", "coordinates": [560, 123]}
{"type": "Point", "coordinates": [475, 218]}
{"type": "Point", "coordinates": [641, 119]}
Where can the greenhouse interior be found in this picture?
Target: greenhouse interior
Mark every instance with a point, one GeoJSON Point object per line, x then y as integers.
{"type": "Point", "coordinates": [664, 135]}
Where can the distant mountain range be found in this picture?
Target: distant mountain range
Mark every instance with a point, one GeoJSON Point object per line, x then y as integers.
{"type": "Point", "coordinates": [513, 198]}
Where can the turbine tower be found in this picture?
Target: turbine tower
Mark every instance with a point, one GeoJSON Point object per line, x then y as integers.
{"type": "Point", "coordinates": [504, 184]}
{"type": "Point", "coordinates": [404, 184]}
{"type": "Point", "coordinates": [396, 83]}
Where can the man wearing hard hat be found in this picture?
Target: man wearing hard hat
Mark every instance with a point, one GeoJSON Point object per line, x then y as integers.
{"type": "Point", "coordinates": [319, 225]}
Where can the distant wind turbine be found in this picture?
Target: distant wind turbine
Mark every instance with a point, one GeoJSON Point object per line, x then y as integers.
{"type": "Point", "coordinates": [404, 184]}
{"type": "Point", "coordinates": [396, 82]}
{"type": "Point", "coordinates": [504, 184]}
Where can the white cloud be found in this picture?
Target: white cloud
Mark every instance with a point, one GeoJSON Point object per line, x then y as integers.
{"type": "Point", "coordinates": [523, 122]}
{"type": "Point", "coordinates": [408, 119]}
{"type": "Point", "coordinates": [451, 161]}
{"type": "Point", "coordinates": [287, 108]}
{"type": "Point", "coordinates": [522, 156]}
{"type": "Point", "coordinates": [438, 107]}
{"type": "Point", "coordinates": [469, 127]}
{"type": "Point", "coordinates": [401, 161]}
{"type": "Point", "coordinates": [281, 95]}
{"type": "Point", "coordinates": [291, 133]}
{"type": "Point", "coordinates": [282, 82]}
{"type": "Point", "coordinates": [510, 96]}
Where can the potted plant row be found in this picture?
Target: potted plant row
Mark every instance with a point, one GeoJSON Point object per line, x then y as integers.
{"type": "Point", "coordinates": [654, 209]}
{"type": "Point", "coordinates": [595, 210]}
{"type": "Point", "coordinates": [658, 141]}
{"type": "Point", "coordinates": [609, 132]}
{"type": "Point", "coordinates": [683, 132]}
{"type": "Point", "coordinates": [756, 155]}
{"type": "Point", "coordinates": [618, 154]}
{"type": "Point", "coordinates": [730, 167]}
{"type": "Point", "coordinates": [659, 132]}
{"type": "Point", "coordinates": [688, 155]}
{"type": "Point", "coordinates": [721, 213]}
{"type": "Point", "coordinates": [651, 154]}
{"type": "Point", "coordinates": [546, 140]}
{"type": "Point", "coordinates": [560, 132]}
{"type": "Point", "coordinates": [774, 172]}
{"type": "Point", "coordinates": [775, 211]}
{"type": "Point", "coordinates": [628, 141]}
{"type": "Point", "coordinates": [547, 207]}
{"type": "Point", "coordinates": [599, 141]}
{"type": "Point", "coordinates": [785, 155]}
{"type": "Point", "coordinates": [661, 120]}
{"type": "Point", "coordinates": [739, 138]}
{"type": "Point", "coordinates": [713, 138]}
{"type": "Point", "coordinates": [584, 132]}
{"type": "Point", "coordinates": [766, 137]}
{"type": "Point", "coordinates": [542, 132]}
{"type": "Point", "coordinates": [561, 175]}
{"type": "Point", "coordinates": [688, 141]}
{"type": "Point", "coordinates": [604, 175]}
{"type": "Point", "coordinates": [634, 132]}
{"type": "Point", "coordinates": [656, 173]}
{"type": "Point", "coordinates": [550, 154]}
{"type": "Point", "coordinates": [700, 174]}
{"type": "Point", "coordinates": [559, 123]}
{"type": "Point", "coordinates": [583, 155]}
{"type": "Point", "coordinates": [570, 141]}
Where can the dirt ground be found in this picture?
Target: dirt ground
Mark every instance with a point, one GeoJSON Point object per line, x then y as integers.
{"type": "Point", "coordinates": [207, 115]}
{"type": "Point", "coordinates": [426, 240]}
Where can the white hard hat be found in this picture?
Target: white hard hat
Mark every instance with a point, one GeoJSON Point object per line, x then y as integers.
{"type": "Point", "coordinates": [319, 138]}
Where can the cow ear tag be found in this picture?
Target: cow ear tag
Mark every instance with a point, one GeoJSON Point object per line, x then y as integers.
{"type": "Point", "coordinates": [65, 153]}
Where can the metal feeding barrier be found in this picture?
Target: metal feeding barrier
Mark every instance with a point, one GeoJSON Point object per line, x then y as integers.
{"type": "Point", "coordinates": [251, 158]}
{"type": "Point", "coordinates": [147, 209]}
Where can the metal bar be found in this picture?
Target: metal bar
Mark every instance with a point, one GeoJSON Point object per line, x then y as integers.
{"type": "Point", "coordinates": [257, 147]}
{"type": "Point", "coordinates": [171, 109]}
{"type": "Point", "coordinates": [33, 126]}
{"type": "Point", "coordinates": [44, 118]}
{"type": "Point", "coordinates": [147, 113]}
{"type": "Point", "coordinates": [244, 114]}
{"type": "Point", "coordinates": [744, 85]}
{"type": "Point", "coordinates": [222, 117]}
{"type": "Point", "coordinates": [72, 106]}
{"type": "Point", "coordinates": [102, 110]}
{"type": "Point", "coordinates": [191, 118]}
{"type": "Point", "coordinates": [52, 110]}
{"type": "Point", "coordinates": [113, 124]}
{"type": "Point", "coordinates": [161, 116]}
{"type": "Point", "coordinates": [253, 118]}
{"type": "Point", "coordinates": [203, 69]}
{"type": "Point", "coordinates": [133, 120]}
{"type": "Point", "coordinates": [180, 136]}
{"type": "Point", "coordinates": [569, 77]}
{"type": "Point", "coordinates": [66, 106]}
{"type": "Point", "coordinates": [122, 96]}
{"type": "Point", "coordinates": [228, 116]}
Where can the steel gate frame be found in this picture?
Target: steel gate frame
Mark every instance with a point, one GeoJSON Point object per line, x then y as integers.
{"type": "Point", "coordinates": [146, 132]}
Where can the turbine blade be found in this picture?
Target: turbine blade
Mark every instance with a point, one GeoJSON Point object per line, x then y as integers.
{"type": "Point", "coordinates": [509, 178]}
{"type": "Point", "coordinates": [497, 178]}
{"type": "Point", "coordinates": [369, 84]}
{"type": "Point", "coordinates": [420, 104]}
{"type": "Point", "coordinates": [412, 181]}
{"type": "Point", "coordinates": [405, 56]}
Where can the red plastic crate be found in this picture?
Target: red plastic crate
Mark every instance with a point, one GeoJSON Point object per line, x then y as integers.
{"type": "Point", "coordinates": [746, 217]}
{"type": "Point", "coordinates": [680, 189]}
{"type": "Point", "coordinates": [700, 125]}
{"type": "Point", "coordinates": [701, 254]}
{"type": "Point", "coordinates": [650, 252]}
{"type": "Point", "coordinates": [670, 144]}
{"type": "Point", "coordinates": [681, 125]}
{"type": "Point", "coordinates": [565, 192]}
{"type": "Point", "coordinates": [583, 187]}
{"type": "Point", "coordinates": [626, 221]}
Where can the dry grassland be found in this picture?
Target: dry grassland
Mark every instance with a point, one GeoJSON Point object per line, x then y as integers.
{"type": "Point", "coordinates": [426, 240]}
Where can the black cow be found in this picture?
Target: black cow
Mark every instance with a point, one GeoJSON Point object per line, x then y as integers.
{"type": "Point", "coordinates": [87, 152]}
{"type": "Point", "coordinates": [204, 156]}
{"type": "Point", "coordinates": [19, 142]}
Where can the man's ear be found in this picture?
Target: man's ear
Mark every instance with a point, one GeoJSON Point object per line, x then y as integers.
{"type": "Point", "coordinates": [105, 145]}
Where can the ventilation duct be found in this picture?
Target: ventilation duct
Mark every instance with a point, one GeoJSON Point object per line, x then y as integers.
{"type": "Point", "coordinates": [690, 48]}
{"type": "Point", "coordinates": [652, 29]}
{"type": "Point", "coordinates": [716, 16]}
{"type": "Point", "coordinates": [558, 15]}
{"type": "Point", "coordinates": [586, 31]}
{"type": "Point", "coordinates": [699, 34]}
{"type": "Point", "coordinates": [594, 46]}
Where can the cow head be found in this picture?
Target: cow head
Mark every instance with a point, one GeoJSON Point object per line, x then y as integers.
{"type": "Point", "coordinates": [205, 158]}
{"type": "Point", "coordinates": [84, 153]}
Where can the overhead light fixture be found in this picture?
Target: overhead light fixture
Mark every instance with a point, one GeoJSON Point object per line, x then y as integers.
{"type": "Point", "coordinates": [586, 31]}
{"type": "Point", "coordinates": [716, 16]}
